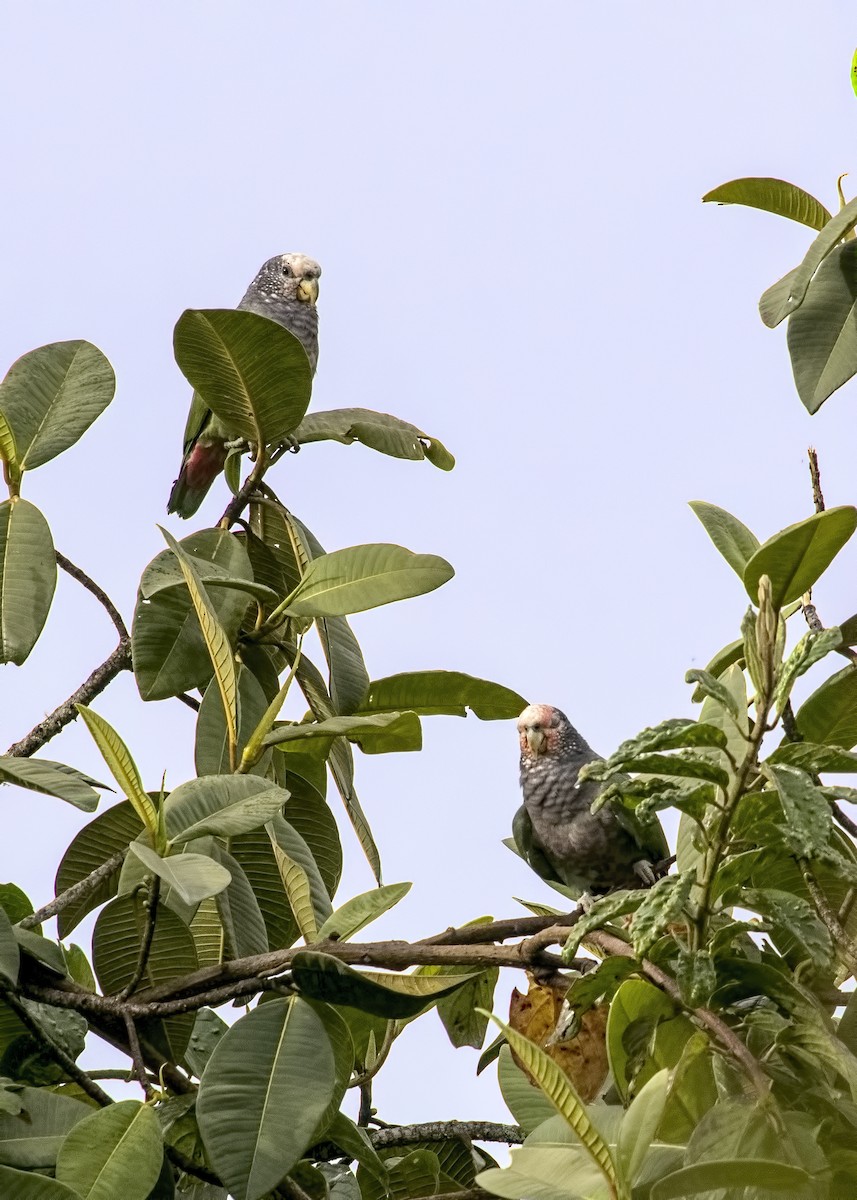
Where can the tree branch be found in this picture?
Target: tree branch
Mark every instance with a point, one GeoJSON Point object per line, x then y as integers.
{"type": "Point", "coordinates": [437, 1131]}
{"type": "Point", "coordinates": [239, 501]}
{"type": "Point", "coordinates": [146, 941]}
{"type": "Point", "coordinates": [841, 940]}
{"type": "Point", "coordinates": [137, 1057]}
{"type": "Point", "coordinates": [82, 888]}
{"type": "Point", "coordinates": [100, 595]}
{"type": "Point", "coordinates": [113, 665]}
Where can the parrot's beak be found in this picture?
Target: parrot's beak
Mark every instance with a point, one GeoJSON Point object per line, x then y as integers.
{"type": "Point", "coordinates": [308, 290]}
{"type": "Point", "coordinates": [535, 740]}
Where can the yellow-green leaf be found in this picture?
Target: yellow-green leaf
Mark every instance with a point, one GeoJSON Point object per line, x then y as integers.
{"type": "Point", "coordinates": [122, 766]}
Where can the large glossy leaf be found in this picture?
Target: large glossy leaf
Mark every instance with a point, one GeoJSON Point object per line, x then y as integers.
{"type": "Point", "coordinates": [28, 577]}
{"type": "Point", "coordinates": [381, 993]}
{"type": "Point", "coordinates": [194, 877]}
{"type": "Point", "coordinates": [211, 748]}
{"type": "Point", "coordinates": [449, 693]}
{"type": "Point", "coordinates": [827, 240]}
{"type": "Point", "coordinates": [238, 909]}
{"type": "Point", "coordinates": [216, 639]}
{"type": "Point", "coordinates": [169, 651]}
{"type": "Point", "coordinates": [51, 396]}
{"type": "Point", "coordinates": [51, 779]}
{"type": "Point", "coordinates": [360, 577]}
{"type": "Point", "coordinates": [713, 1174]}
{"type": "Point", "coordinates": [122, 766]}
{"type": "Point", "coordinates": [255, 855]}
{"type": "Point", "coordinates": [361, 910]}
{"type": "Point", "coordinates": [310, 816]}
{"type": "Point", "coordinates": [527, 1103]}
{"type": "Point", "coordinates": [117, 1151]}
{"type": "Point", "coordinates": [116, 943]}
{"type": "Point", "coordinates": [22, 1185]}
{"type": "Point", "coordinates": [772, 195]}
{"type": "Point", "coordinates": [640, 1124]}
{"type": "Point", "coordinates": [9, 954]}
{"type": "Point", "coordinates": [797, 556]}
{"type": "Point", "coordinates": [32, 1138]}
{"type": "Point", "coordinates": [380, 733]}
{"type": "Point", "coordinates": [287, 839]}
{"type": "Point", "coordinates": [379, 431]}
{"type": "Point", "coordinates": [829, 715]}
{"type": "Point", "coordinates": [822, 334]}
{"type": "Point", "coordinates": [223, 805]}
{"type": "Point", "coordinates": [250, 371]}
{"type": "Point", "coordinates": [732, 538]}
{"type": "Point", "coordinates": [265, 1089]}
{"type": "Point", "coordinates": [95, 843]}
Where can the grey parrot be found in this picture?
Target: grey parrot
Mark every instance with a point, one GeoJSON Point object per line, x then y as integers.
{"type": "Point", "coordinates": [555, 830]}
{"type": "Point", "coordinates": [286, 291]}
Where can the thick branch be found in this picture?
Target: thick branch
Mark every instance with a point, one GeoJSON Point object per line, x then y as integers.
{"type": "Point", "coordinates": [113, 665]}
{"type": "Point", "coordinates": [77, 890]}
{"type": "Point", "coordinates": [100, 595]}
{"type": "Point", "coordinates": [498, 931]}
{"type": "Point", "coordinates": [437, 1131]}
{"type": "Point", "coordinates": [239, 501]}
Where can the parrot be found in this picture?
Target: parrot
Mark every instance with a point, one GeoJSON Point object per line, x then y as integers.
{"type": "Point", "coordinates": [286, 291]}
{"type": "Point", "coordinates": [555, 830]}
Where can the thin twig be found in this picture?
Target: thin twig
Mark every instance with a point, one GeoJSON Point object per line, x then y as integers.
{"type": "Point", "coordinates": [60, 1057]}
{"type": "Point", "coordinates": [190, 701]}
{"type": "Point", "coordinates": [380, 1058]}
{"type": "Point", "coordinates": [77, 890]}
{"type": "Point", "coordinates": [815, 478]}
{"type": "Point", "coordinates": [113, 665]}
{"type": "Point", "coordinates": [365, 1110]}
{"type": "Point", "coordinates": [100, 595]}
{"type": "Point", "coordinates": [810, 612]}
{"type": "Point", "coordinates": [137, 1058]}
{"type": "Point", "coordinates": [844, 820]}
{"type": "Point", "coordinates": [843, 943]}
{"type": "Point", "coordinates": [190, 1167]}
{"type": "Point", "coordinates": [146, 943]}
{"type": "Point", "coordinates": [727, 1038]}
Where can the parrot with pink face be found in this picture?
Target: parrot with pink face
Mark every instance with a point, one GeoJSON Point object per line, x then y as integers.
{"type": "Point", "coordinates": [556, 831]}
{"type": "Point", "coordinates": [285, 290]}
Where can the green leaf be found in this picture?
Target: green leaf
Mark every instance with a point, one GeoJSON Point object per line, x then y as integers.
{"type": "Point", "coordinates": [806, 810]}
{"type": "Point", "coordinates": [383, 994]}
{"type": "Point", "coordinates": [41, 948]}
{"type": "Point", "coordinates": [32, 1139]}
{"type": "Point", "coordinates": [731, 537]}
{"type": "Point", "coordinates": [9, 953]}
{"type": "Point", "coordinates": [195, 877]}
{"type": "Point", "coordinates": [811, 648]}
{"type": "Point", "coordinates": [211, 748]}
{"type": "Point", "coordinates": [360, 577]}
{"type": "Point", "coordinates": [358, 912]}
{"type": "Point", "coordinates": [827, 240]}
{"type": "Point", "coordinates": [463, 1013]}
{"type": "Point", "coordinates": [169, 652]}
{"type": "Point", "coordinates": [285, 838]}
{"type": "Point", "coordinates": [527, 1103]}
{"type": "Point", "coordinates": [250, 371]}
{"type": "Point", "coordinates": [682, 766]}
{"type": "Point", "coordinates": [28, 576]}
{"type": "Point", "coordinates": [309, 816]}
{"type": "Point", "coordinates": [772, 195]}
{"type": "Point", "coordinates": [815, 759]}
{"type": "Point", "coordinates": [222, 805]}
{"type": "Point", "coordinates": [51, 396]}
{"type": "Point", "coordinates": [116, 945]}
{"type": "Point", "coordinates": [354, 1141]}
{"type": "Point", "coordinates": [829, 715]}
{"type": "Point", "coordinates": [216, 640]}
{"type": "Point", "coordinates": [380, 733]}
{"type": "Point", "coordinates": [822, 334]}
{"type": "Point", "coordinates": [299, 892]}
{"type": "Point", "coordinates": [51, 779]}
{"type": "Point", "coordinates": [238, 909]}
{"type": "Point", "coordinates": [709, 685]}
{"type": "Point", "coordinates": [772, 302]}
{"type": "Point", "coordinates": [558, 1089]}
{"type": "Point", "coordinates": [640, 1124]}
{"type": "Point", "coordinates": [734, 1173]}
{"type": "Point", "coordinates": [16, 904]}
{"type": "Point", "coordinates": [117, 1151]}
{"type": "Point", "coordinates": [266, 1087]}
{"type": "Point", "coordinates": [122, 766]}
{"type": "Point", "coordinates": [22, 1185]}
{"type": "Point", "coordinates": [96, 842]}
{"type": "Point", "coordinates": [602, 910]}
{"type": "Point", "coordinates": [379, 431]}
{"type": "Point", "coordinates": [673, 734]}
{"type": "Point", "coordinates": [791, 916]}
{"type": "Point", "coordinates": [662, 905]}
{"type": "Point", "coordinates": [796, 557]}
{"type": "Point", "coordinates": [448, 693]}
{"type": "Point", "coordinates": [208, 1029]}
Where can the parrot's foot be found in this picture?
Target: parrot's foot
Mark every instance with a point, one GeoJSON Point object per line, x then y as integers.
{"type": "Point", "coordinates": [291, 444]}
{"type": "Point", "coordinates": [645, 872]}
{"type": "Point", "coordinates": [586, 901]}
{"type": "Point", "coordinates": [238, 444]}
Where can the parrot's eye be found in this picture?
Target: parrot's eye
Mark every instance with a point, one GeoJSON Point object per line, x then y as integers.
{"type": "Point", "coordinates": [287, 270]}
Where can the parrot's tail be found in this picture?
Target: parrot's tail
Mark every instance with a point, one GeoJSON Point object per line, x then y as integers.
{"type": "Point", "coordinates": [199, 470]}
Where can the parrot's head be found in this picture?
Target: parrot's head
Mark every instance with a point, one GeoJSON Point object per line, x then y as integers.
{"type": "Point", "coordinates": [545, 731]}
{"type": "Point", "coordinates": [289, 277]}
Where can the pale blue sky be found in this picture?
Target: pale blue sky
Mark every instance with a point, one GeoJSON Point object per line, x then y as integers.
{"type": "Point", "coordinates": [505, 202]}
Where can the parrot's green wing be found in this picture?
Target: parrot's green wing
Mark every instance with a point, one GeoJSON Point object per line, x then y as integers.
{"type": "Point", "coordinates": [535, 857]}
{"type": "Point", "coordinates": [197, 419]}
